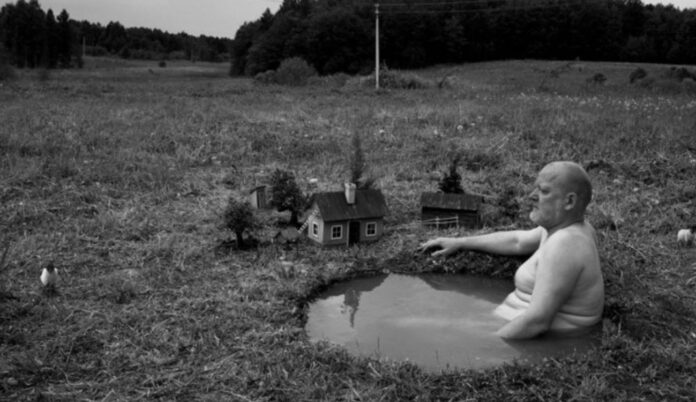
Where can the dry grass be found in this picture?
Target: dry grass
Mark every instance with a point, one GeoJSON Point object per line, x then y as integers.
{"type": "Point", "coordinates": [120, 176]}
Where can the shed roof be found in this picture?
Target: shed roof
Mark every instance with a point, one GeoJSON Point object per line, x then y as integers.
{"type": "Point", "coordinates": [465, 202]}
{"type": "Point", "coordinates": [333, 206]}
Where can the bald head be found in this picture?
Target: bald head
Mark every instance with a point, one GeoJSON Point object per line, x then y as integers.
{"type": "Point", "coordinates": [572, 178]}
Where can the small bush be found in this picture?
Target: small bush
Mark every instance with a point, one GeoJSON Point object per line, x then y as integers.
{"type": "Point", "coordinates": [637, 74]}
{"type": "Point", "coordinates": [451, 180]}
{"type": "Point", "coordinates": [679, 74]}
{"type": "Point", "coordinates": [294, 71]}
{"type": "Point", "coordinates": [394, 80]}
{"type": "Point", "coordinates": [162, 64]}
{"type": "Point", "coordinates": [689, 86]}
{"type": "Point", "coordinates": [266, 77]}
{"type": "Point", "coordinates": [239, 217]}
{"type": "Point", "coordinates": [597, 79]}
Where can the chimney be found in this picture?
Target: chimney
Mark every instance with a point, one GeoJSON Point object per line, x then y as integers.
{"type": "Point", "coordinates": [350, 193]}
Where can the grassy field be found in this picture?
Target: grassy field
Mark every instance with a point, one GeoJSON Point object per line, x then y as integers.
{"type": "Point", "coordinates": [119, 174]}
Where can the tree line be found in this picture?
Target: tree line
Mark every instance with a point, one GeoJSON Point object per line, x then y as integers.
{"type": "Point", "coordinates": [339, 36]}
{"type": "Point", "coordinates": [31, 37]}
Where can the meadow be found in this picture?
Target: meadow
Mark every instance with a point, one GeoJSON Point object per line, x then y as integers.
{"type": "Point", "coordinates": [119, 174]}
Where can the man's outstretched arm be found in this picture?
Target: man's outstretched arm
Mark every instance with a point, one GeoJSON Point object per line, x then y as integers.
{"type": "Point", "coordinates": [515, 242]}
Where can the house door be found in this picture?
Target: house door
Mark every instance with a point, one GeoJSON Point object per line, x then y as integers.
{"type": "Point", "coordinates": [353, 232]}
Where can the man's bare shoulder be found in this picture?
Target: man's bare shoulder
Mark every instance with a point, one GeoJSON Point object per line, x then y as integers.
{"type": "Point", "coordinates": [572, 241]}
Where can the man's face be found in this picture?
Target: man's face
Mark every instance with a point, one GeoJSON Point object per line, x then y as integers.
{"type": "Point", "coordinates": [548, 197]}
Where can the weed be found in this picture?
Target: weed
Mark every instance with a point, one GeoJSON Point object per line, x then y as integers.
{"type": "Point", "coordinates": [637, 74]}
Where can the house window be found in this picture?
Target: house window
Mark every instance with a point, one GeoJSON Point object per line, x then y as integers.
{"type": "Point", "coordinates": [336, 232]}
{"type": "Point", "coordinates": [370, 229]}
{"type": "Point", "coordinates": [315, 229]}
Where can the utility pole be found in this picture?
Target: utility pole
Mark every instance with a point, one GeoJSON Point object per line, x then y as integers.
{"type": "Point", "coordinates": [376, 45]}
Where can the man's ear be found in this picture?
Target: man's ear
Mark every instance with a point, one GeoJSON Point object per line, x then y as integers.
{"type": "Point", "coordinates": [571, 201]}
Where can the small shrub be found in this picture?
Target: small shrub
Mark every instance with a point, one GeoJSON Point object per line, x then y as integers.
{"type": "Point", "coordinates": [597, 79]}
{"type": "Point", "coordinates": [689, 86]}
{"type": "Point", "coordinates": [358, 166]}
{"type": "Point", "coordinates": [286, 194]}
{"type": "Point", "coordinates": [239, 218]}
{"type": "Point", "coordinates": [394, 80]}
{"type": "Point", "coordinates": [679, 74]}
{"type": "Point", "coordinates": [294, 71]}
{"type": "Point", "coordinates": [451, 180]}
{"type": "Point", "coordinates": [162, 64]}
{"type": "Point", "coordinates": [637, 74]}
{"type": "Point", "coordinates": [266, 77]}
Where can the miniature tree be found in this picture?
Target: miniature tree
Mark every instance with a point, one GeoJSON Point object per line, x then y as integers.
{"type": "Point", "coordinates": [286, 194]}
{"type": "Point", "coordinates": [357, 165]}
{"type": "Point", "coordinates": [451, 182]}
{"type": "Point", "coordinates": [239, 217]}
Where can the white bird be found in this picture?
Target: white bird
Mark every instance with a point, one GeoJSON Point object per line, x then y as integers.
{"type": "Point", "coordinates": [685, 237]}
{"type": "Point", "coordinates": [49, 275]}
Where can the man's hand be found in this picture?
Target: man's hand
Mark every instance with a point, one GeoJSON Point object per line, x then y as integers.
{"type": "Point", "coordinates": [442, 246]}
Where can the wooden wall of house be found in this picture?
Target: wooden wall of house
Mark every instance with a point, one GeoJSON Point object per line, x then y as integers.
{"type": "Point", "coordinates": [466, 219]}
{"type": "Point", "coordinates": [379, 230]}
{"type": "Point", "coordinates": [324, 231]}
{"type": "Point", "coordinates": [327, 241]}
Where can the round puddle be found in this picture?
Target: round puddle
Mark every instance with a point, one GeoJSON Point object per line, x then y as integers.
{"type": "Point", "coordinates": [437, 321]}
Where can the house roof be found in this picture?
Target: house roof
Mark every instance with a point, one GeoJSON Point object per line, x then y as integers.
{"type": "Point", "coordinates": [465, 202]}
{"type": "Point", "coordinates": [333, 206]}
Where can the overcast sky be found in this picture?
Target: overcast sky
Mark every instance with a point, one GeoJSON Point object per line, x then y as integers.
{"type": "Point", "coordinates": [196, 17]}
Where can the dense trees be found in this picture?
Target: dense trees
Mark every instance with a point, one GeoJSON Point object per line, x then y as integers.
{"type": "Point", "coordinates": [34, 38]}
{"type": "Point", "coordinates": [339, 35]}
{"type": "Point", "coordinates": [30, 36]}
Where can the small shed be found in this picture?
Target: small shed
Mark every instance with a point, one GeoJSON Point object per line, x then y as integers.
{"type": "Point", "coordinates": [447, 210]}
{"type": "Point", "coordinates": [260, 196]}
{"type": "Point", "coordinates": [346, 217]}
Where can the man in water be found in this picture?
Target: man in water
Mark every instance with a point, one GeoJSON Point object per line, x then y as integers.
{"type": "Point", "coordinates": [560, 288]}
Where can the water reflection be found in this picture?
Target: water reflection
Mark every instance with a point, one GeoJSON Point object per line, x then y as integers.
{"type": "Point", "coordinates": [351, 294]}
{"type": "Point", "coordinates": [435, 320]}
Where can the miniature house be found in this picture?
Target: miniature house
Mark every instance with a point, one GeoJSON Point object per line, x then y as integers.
{"type": "Point", "coordinates": [259, 197]}
{"type": "Point", "coordinates": [346, 217]}
{"type": "Point", "coordinates": [447, 210]}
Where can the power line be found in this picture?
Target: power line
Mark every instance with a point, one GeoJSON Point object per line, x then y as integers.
{"type": "Point", "coordinates": [505, 7]}
{"type": "Point", "coordinates": [465, 2]}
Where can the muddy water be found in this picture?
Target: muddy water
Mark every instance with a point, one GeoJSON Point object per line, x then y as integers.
{"type": "Point", "coordinates": [437, 321]}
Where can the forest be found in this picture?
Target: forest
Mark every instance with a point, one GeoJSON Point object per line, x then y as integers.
{"type": "Point", "coordinates": [31, 37]}
{"type": "Point", "coordinates": [339, 36]}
